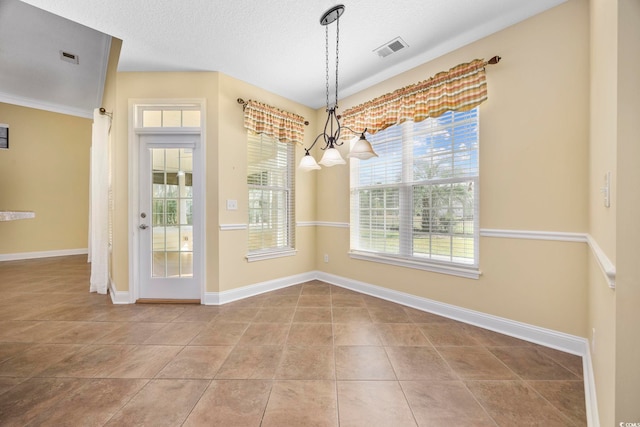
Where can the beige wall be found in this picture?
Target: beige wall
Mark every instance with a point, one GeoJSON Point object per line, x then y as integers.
{"type": "Point", "coordinates": [602, 220]}
{"type": "Point", "coordinates": [562, 111]}
{"type": "Point", "coordinates": [533, 176]}
{"type": "Point", "coordinates": [159, 86]}
{"type": "Point", "coordinates": [235, 271]}
{"type": "Point", "coordinates": [225, 164]}
{"type": "Point", "coordinates": [109, 103]}
{"type": "Point", "coordinates": [45, 170]}
{"type": "Point", "coordinates": [613, 314]}
{"type": "Point", "coordinates": [109, 96]}
{"type": "Point", "coordinates": [627, 390]}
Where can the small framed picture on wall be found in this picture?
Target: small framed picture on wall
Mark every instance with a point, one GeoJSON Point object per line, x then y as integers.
{"type": "Point", "coordinates": [4, 136]}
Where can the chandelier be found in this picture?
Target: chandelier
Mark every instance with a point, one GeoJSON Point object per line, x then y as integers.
{"type": "Point", "coordinates": [331, 135]}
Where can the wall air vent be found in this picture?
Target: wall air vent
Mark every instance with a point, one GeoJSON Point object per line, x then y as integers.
{"type": "Point", "coordinates": [391, 47]}
{"type": "Point", "coordinates": [69, 57]}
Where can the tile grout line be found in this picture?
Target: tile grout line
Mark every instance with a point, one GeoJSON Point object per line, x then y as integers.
{"type": "Point", "coordinates": [128, 401]}
{"type": "Point", "coordinates": [335, 357]}
{"type": "Point", "coordinates": [486, 347]}
{"type": "Point", "coordinates": [525, 382]}
{"type": "Point", "coordinates": [204, 390]}
{"type": "Point", "coordinates": [284, 346]}
{"type": "Point", "coordinates": [236, 344]}
{"type": "Point", "coordinates": [380, 315]}
{"type": "Point", "coordinates": [462, 381]}
{"type": "Point", "coordinates": [384, 347]}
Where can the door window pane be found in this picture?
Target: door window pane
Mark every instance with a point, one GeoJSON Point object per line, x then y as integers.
{"type": "Point", "coordinates": [151, 118]}
{"type": "Point", "coordinates": [191, 118]}
{"type": "Point", "coordinates": [172, 238]}
{"type": "Point", "coordinates": [173, 264]}
{"type": "Point", "coordinates": [186, 264]}
{"type": "Point", "coordinates": [159, 265]}
{"type": "Point", "coordinates": [171, 118]}
{"type": "Point", "coordinates": [159, 238]}
{"type": "Point", "coordinates": [172, 212]}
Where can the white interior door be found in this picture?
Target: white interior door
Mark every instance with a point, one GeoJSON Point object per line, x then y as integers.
{"type": "Point", "coordinates": [168, 221]}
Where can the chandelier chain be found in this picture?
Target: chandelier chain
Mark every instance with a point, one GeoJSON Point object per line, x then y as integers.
{"type": "Point", "coordinates": [331, 135]}
{"type": "Point", "coordinates": [326, 61]}
{"type": "Point", "coordinates": [326, 55]}
{"type": "Point", "coordinates": [337, 56]}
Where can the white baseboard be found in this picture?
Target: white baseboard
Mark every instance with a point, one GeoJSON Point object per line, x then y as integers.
{"type": "Point", "coordinates": [44, 254]}
{"type": "Point", "coordinates": [118, 297]}
{"type": "Point", "coordinates": [218, 298]}
{"type": "Point", "coordinates": [546, 337]}
{"type": "Point", "coordinates": [591, 403]}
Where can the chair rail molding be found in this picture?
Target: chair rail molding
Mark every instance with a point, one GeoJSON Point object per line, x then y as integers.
{"type": "Point", "coordinates": [604, 262]}
{"type": "Point", "coordinates": [560, 236]}
{"type": "Point", "coordinates": [322, 224]}
{"type": "Point", "coordinates": [607, 267]}
{"type": "Point", "coordinates": [231, 227]}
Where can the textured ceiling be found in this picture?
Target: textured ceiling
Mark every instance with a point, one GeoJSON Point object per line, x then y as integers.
{"type": "Point", "coordinates": [279, 45]}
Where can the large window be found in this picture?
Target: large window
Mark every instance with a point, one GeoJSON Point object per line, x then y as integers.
{"type": "Point", "coordinates": [271, 197]}
{"type": "Point", "coordinates": [417, 203]}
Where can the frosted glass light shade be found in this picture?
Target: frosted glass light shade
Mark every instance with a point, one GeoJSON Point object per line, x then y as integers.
{"type": "Point", "coordinates": [331, 157]}
{"type": "Point", "coordinates": [362, 149]}
{"type": "Point", "coordinates": [308, 163]}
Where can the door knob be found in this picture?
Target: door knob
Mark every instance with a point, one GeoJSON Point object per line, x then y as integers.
{"type": "Point", "coordinates": [143, 226]}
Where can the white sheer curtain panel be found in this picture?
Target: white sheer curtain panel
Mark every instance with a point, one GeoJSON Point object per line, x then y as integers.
{"type": "Point", "coordinates": [99, 204]}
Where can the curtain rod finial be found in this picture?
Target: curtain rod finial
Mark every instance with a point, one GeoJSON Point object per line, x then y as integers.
{"type": "Point", "coordinates": [104, 112]}
{"type": "Point", "coordinates": [494, 60]}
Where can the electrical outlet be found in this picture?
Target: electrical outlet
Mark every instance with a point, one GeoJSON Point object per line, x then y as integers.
{"type": "Point", "coordinates": [232, 205]}
{"type": "Point", "coordinates": [326, 257]}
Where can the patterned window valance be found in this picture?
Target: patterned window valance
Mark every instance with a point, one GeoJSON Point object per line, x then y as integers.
{"type": "Point", "coordinates": [282, 125]}
{"type": "Point", "coordinates": [461, 88]}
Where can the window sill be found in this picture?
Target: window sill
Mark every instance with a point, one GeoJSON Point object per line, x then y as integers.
{"type": "Point", "coordinates": [469, 272]}
{"type": "Point", "coordinates": [260, 256]}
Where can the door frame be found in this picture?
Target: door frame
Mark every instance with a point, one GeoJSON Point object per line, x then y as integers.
{"type": "Point", "coordinates": [135, 134]}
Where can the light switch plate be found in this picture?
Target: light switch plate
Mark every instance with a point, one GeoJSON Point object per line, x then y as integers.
{"type": "Point", "coordinates": [606, 190]}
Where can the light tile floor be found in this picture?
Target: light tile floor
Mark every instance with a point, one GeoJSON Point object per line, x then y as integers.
{"type": "Point", "coordinates": [311, 354]}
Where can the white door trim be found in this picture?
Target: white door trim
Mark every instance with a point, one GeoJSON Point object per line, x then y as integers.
{"type": "Point", "coordinates": [134, 186]}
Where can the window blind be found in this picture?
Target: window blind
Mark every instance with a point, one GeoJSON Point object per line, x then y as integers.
{"type": "Point", "coordinates": [270, 181]}
{"type": "Point", "coordinates": [419, 199]}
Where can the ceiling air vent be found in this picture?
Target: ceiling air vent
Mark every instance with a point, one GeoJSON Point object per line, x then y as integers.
{"type": "Point", "coordinates": [69, 57]}
{"type": "Point", "coordinates": [391, 47]}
